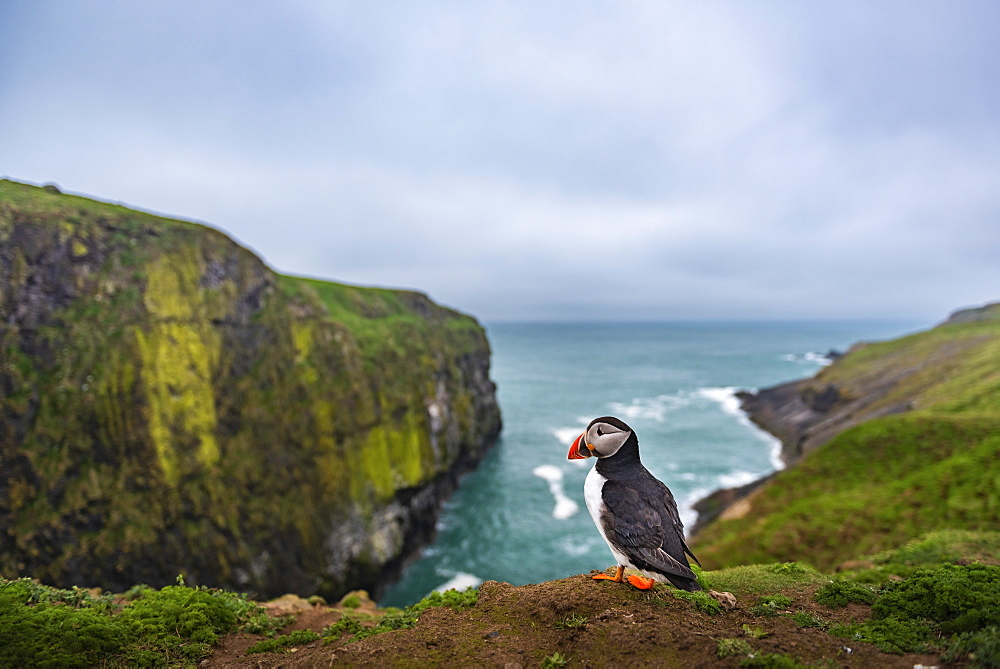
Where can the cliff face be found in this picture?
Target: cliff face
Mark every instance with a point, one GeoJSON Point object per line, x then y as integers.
{"type": "Point", "coordinates": [170, 405]}
{"type": "Point", "coordinates": [892, 440]}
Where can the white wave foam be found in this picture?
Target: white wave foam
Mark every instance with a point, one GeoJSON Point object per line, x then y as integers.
{"type": "Point", "coordinates": [565, 507]}
{"type": "Point", "coordinates": [461, 582]}
{"type": "Point", "coordinates": [647, 408]}
{"type": "Point", "coordinates": [566, 435]}
{"type": "Point", "coordinates": [571, 547]}
{"type": "Point", "coordinates": [730, 403]}
{"type": "Point", "coordinates": [726, 397]}
{"type": "Point", "coordinates": [810, 358]}
{"type": "Point", "coordinates": [738, 478]}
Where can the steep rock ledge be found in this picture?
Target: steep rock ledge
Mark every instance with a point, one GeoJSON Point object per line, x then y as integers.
{"type": "Point", "coordinates": [169, 405]}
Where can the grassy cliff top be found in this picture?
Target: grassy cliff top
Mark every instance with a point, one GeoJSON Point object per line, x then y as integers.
{"type": "Point", "coordinates": [881, 613]}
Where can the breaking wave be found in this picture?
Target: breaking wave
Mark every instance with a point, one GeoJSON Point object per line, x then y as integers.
{"type": "Point", "coordinates": [810, 358]}
{"type": "Point", "coordinates": [730, 403]}
{"type": "Point", "coordinates": [648, 408]}
{"type": "Point", "coordinates": [461, 582]}
{"type": "Point", "coordinates": [565, 507]}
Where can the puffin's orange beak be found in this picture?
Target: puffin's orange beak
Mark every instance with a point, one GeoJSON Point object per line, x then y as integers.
{"type": "Point", "coordinates": [579, 450]}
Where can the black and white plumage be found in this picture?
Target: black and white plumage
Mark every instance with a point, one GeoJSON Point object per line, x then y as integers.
{"type": "Point", "coordinates": [635, 512]}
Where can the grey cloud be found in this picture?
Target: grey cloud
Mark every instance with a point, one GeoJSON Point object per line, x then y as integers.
{"type": "Point", "coordinates": [526, 160]}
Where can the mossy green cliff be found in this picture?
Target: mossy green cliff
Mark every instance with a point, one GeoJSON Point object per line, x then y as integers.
{"type": "Point", "coordinates": [168, 405]}
{"type": "Point", "coordinates": [893, 440]}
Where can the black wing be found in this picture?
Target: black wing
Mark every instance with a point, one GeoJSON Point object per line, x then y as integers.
{"type": "Point", "coordinates": [648, 529]}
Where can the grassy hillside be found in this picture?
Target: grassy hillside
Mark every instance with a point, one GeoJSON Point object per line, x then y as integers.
{"type": "Point", "coordinates": [934, 466]}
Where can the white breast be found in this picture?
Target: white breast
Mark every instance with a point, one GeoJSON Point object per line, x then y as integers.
{"type": "Point", "coordinates": [592, 489]}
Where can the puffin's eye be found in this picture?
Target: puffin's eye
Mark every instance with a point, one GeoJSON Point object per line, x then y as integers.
{"type": "Point", "coordinates": [599, 433]}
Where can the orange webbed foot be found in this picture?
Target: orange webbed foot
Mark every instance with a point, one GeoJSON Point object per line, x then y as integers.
{"type": "Point", "coordinates": [617, 578]}
{"type": "Point", "coordinates": [641, 583]}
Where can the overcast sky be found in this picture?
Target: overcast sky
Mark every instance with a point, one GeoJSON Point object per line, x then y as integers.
{"type": "Point", "coordinates": [542, 160]}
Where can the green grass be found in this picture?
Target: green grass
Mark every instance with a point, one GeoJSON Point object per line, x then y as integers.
{"type": "Point", "coordinates": [761, 578]}
{"type": "Point", "coordinates": [281, 644]}
{"type": "Point", "coordinates": [769, 606]}
{"type": "Point", "coordinates": [42, 626]}
{"type": "Point", "coordinates": [571, 621]}
{"type": "Point", "coordinates": [892, 474]}
{"type": "Point", "coordinates": [980, 648]}
{"type": "Point", "coordinates": [733, 647]}
{"type": "Point", "coordinates": [771, 661]}
{"type": "Point", "coordinates": [923, 612]}
{"type": "Point", "coordinates": [397, 619]}
{"type": "Point", "coordinates": [839, 593]}
{"type": "Point", "coordinates": [701, 600]}
{"type": "Point", "coordinates": [889, 479]}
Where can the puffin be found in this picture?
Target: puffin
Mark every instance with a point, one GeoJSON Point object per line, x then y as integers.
{"type": "Point", "coordinates": [634, 511]}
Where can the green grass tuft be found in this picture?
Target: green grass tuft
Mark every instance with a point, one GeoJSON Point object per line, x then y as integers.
{"type": "Point", "coordinates": [572, 621]}
{"type": "Point", "coordinates": [397, 619]}
{"type": "Point", "coordinates": [755, 632]}
{"type": "Point", "coordinates": [730, 647]}
{"type": "Point", "coordinates": [891, 635]}
{"type": "Point", "coordinates": [771, 661]}
{"type": "Point", "coordinates": [761, 578]}
{"type": "Point", "coordinates": [770, 605]}
{"type": "Point", "coordinates": [281, 644]}
{"type": "Point", "coordinates": [702, 601]}
{"type": "Point", "coordinates": [43, 626]}
{"type": "Point", "coordinates": [554, 660]}
{"type": "Point", "coordinates": [980, 648]}
{"type": "Point", "coordinates": [839, 593]}
{"type": "Point", "coordinates": [806, 619]}
{"type": "Point", "coordinates": [959, 598]}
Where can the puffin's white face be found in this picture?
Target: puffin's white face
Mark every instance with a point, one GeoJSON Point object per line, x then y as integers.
{"type": "Point", "coordinates": [602, 439]}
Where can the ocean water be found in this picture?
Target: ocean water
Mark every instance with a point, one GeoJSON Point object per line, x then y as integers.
{"type": "Point", "coordinates": [520, 517]}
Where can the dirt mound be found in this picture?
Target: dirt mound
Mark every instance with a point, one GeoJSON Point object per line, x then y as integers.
{"type": "Point", "coordinates": [582, 623]}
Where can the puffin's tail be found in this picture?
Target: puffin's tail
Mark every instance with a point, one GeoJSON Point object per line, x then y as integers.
{"type": "Point", "coordinates": [682, 583]}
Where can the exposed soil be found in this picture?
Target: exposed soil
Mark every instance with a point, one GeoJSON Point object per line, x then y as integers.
{"type": "Point", "coordinates": [520, 626]}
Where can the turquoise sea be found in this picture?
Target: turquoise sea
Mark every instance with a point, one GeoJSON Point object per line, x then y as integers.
{"type": "Point", "coordinates": [520, 517]}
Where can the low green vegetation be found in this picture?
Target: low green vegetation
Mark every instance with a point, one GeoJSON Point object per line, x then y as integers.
{"type": "Point", "coordinates": [839, 593]}
{"type": "Point", "coordinates": [806, 619]}
{"type": "Point", "coordinates": [42, 626]}
{"type": "Point", "coordinates": [281, 644]}
{"type": "Point", "coordinates": [771, 661]}
{"type": "Point", "coordinates": [944, 609]}
{"type": "Point", "coordinates": [761, 578]}
{"type": "Point", "coordinates": [771, 605]}
{"type": "Point", "coordinates": [702, 601]}
{"type": "Point", "coordinates": [980, 648]}
{"type": "Point", "coordinates": [574, 620]}
{"type": "Point", "coordinates": [554, 660]}
{"type": "Point", "coordinates": [920, 613]}
{"type": "Point", "coordinates": [733, 647]}
{"type": "Point", "coordinates": [397, 619]}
